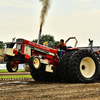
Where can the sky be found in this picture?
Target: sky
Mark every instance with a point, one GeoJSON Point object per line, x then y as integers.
{"type": "Point", "coordinates": [65, 18]}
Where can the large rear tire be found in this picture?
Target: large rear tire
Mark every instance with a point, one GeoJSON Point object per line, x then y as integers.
{"type": "Point", "coordinates": [63, 66]}
{"type": "Point", "coordinates": [11, 66]}
{"type": "Point", "coordinates": [34, 72]}
{"type": "Point", "coordinates": [44, 76]}
{"type": "Point", "coordinates": [80, 66]}
{"type": "Point", "coordinates": [84, 67]}
{"type": "Point", "coordinates": [39, 74]}
{"type": "Point", "coordinates": [36, 75]}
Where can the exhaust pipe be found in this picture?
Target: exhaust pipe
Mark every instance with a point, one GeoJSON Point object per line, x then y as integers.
{"type": "Point", "coordinates": [39, 36]}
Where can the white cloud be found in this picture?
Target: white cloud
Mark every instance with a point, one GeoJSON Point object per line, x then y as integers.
{"type": "Point", "coordinates": [83, 25]}
{"type": "Point", "coordinates": [16, 17]}
{"type": "Point", "coordinates": [16, 3]}
{"type": "Point", "coordinates": [85, 0]}
{"type": "Point", "coordinates": [80, 2]}
{"type": "Point", "coordinates": [18, 26]}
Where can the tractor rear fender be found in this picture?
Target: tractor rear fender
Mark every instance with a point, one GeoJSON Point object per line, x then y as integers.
{"type": "Point", "coordinates": [72, 49]}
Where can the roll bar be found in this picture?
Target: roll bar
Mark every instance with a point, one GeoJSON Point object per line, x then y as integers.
{"type": "Point", "coordinates": [72, 38]}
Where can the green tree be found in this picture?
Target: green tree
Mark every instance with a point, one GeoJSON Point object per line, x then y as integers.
{"type": "Point", "coordinates": [48, 38]}
{"type": "Point", "coordinates": [2, 45]}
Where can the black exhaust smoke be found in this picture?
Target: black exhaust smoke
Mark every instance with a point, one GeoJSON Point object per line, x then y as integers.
{"type": "Point", "coordinates": [46, 6]}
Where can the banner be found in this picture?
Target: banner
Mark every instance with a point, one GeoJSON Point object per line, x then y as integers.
{"type": "Point", "coordinates": [2, 66]}
{"type": "Point", "coordinates": [20, 66]}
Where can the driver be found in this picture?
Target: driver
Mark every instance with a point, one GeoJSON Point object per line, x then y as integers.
{"type": "Point", "coordinates": [62, 47]}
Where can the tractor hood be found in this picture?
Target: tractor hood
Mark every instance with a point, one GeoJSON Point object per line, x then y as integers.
{"type": "Point", "coordinates": [39, 47]}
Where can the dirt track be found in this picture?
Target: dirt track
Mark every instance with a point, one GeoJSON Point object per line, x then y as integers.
{"type": "Point", "coordinates": [17, 73]}
{"type": "Point", "coordinates": [31, 90]}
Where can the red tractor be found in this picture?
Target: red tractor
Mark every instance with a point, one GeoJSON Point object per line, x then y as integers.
{"type": "Point", "coordinates": [75, 65]}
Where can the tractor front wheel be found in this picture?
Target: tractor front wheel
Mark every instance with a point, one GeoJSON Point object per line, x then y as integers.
{"type": "Point", "coordinates": [34, 64]}
{"type": "Point", "coordinates": [11, 66]}
{"type": "Point", "coordinates": [38, 72]}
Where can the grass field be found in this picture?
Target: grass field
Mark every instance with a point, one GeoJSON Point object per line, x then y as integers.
{"type": "Point", "coordinates": [5, 71]}
{"type": "Point", "coordinates": [15, 76]}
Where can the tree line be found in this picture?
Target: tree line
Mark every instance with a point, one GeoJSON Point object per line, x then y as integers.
{"type": "Point", "coordinates": [48, 38]}
{"type": "Point", "coordinates": [43, 39]}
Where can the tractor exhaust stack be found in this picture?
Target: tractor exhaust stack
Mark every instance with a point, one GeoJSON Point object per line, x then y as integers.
{"type": "Point", "coordinates": [39, 36]}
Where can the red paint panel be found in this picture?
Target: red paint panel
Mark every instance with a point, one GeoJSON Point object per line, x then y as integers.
{"type": "Point", "coordinates": [49, 56]}
{"type": "Point", "coordinates": [39, 46]}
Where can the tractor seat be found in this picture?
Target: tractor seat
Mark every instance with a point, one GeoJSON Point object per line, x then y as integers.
{"type": "Point", "coordinates": [69, 47]}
